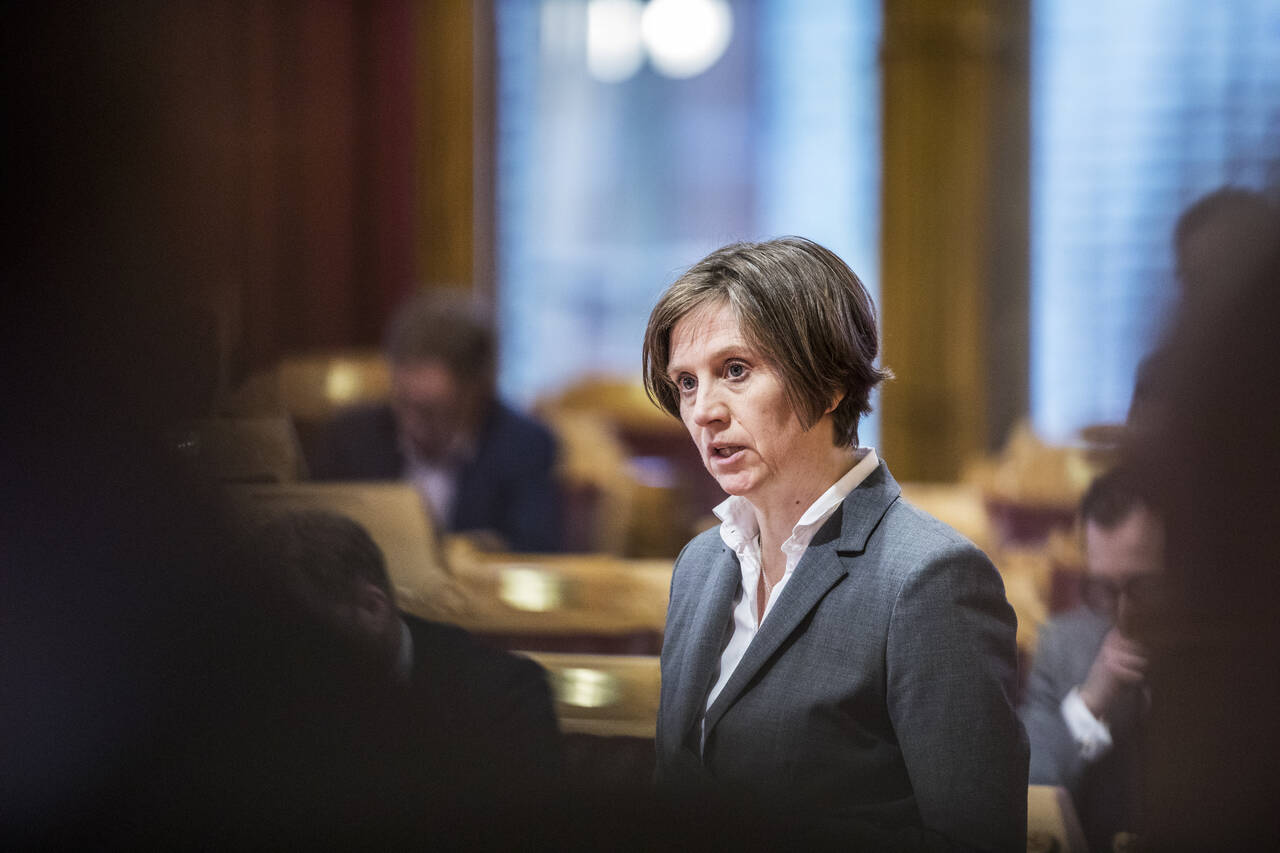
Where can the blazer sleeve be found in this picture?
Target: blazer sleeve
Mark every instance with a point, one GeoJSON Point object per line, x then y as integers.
{"type": "Point", "coordinates": [659, 729]}
{"type": "Point", "coordinates": [667, 769]}
{"type": "Point", "coordinates": [951, 663]}
{"type": "Point", "coordinates": [1055, 757]}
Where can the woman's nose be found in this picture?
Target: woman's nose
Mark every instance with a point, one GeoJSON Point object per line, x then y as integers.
{"type": "Point", "coordinates": [708, 408]}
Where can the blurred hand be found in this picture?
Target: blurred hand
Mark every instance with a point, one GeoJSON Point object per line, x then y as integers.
{"type": "Point", "coordinates": [1121, 663]}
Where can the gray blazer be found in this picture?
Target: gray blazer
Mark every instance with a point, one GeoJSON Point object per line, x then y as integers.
{"type": "Point", "coordinates": [876, 701]}
{"type": "Point", "coordinates": [1104, 791]}
{"type": "Point", "coordinates": [1064, 654]}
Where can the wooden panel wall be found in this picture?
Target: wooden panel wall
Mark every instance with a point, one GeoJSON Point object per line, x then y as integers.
{"type": "Point", "coordinates": [452, 195]}
{"type": "Point", "coordinates": [954, 232]}
{"type": "Point", "coordinates": [328, 155]}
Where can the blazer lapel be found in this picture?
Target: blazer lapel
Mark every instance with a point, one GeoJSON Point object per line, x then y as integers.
{"type": "Point", "coordinates": [705, 639]}
{"type": "Point", "coordinates": [844, 535]}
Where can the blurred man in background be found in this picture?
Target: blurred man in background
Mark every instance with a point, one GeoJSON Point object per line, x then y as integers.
{"type": "Point", "coordinates": [481, 466]}
{"type": "Point", "coordinates": [1087, 694]}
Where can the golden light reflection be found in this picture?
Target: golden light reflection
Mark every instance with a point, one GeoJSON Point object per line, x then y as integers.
{"type": "Point", "coordinates": [533, 589]}
{"type": "Point", "coordinates": [342, 383]}
{"type": "Point", "coordinates": [586, 688]}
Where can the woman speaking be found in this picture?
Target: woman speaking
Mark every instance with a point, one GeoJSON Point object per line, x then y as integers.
{"type": "Point", "coordinates": [832, 654]}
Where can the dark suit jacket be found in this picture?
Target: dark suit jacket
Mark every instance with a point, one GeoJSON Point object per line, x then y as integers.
{"type": "Point", "coordinates": [492, 708]}
{"type": "Point", "coordinates": [507, 486]}
{"type": "Point", "coordinates": [1104, 791]}
{"type": "Point", "coordinates": [877, 697]}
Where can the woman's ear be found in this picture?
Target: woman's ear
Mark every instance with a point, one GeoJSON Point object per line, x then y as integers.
{"type": "Point", "coordinates": [835, 402]}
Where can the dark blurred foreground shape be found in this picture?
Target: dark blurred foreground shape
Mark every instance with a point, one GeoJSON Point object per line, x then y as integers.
{"type": "Point", "coordinates": [158, 691]}
{"type": "Point", "coordinates": [492, 707]}
{"type": "Point", "coordinates": [1211, 453]}
{"type": "Point", "coordinates": [1221, 243]}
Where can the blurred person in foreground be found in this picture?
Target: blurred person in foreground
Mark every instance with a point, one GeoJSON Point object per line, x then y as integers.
{"type": "Point", "coordinates": [482, 467]}
{"type": "Point", "coordinates": [492, 708]}
{"type": "Point", "coordinates": [831, 653]}
{"type": "Point", "coordinates": [477, 759]}
{"type": "Point", "coordinates": [1220, 242]}
{"type": "Point", "coordinates": [1087, 693]}
{"type": "Point", "coordinates": [157, 695]}
{"type": "Point", "coordinates": [1210, 458]}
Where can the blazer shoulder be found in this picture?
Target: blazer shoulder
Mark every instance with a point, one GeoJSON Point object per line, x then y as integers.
{"type": "Point", "coordinates": [701, 549]}
{"type": "Point", "coordinates": [915, 537]}
{"type": "Point", "coordinates": [693, 569]}
{"type": "Point", "coordinates": [707, 540]}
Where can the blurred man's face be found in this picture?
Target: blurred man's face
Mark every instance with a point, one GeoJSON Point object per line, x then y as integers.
{"type": "Point", "coordinates": [1124, 565]}
{"type": "Point", "coordinates": [432, 409]}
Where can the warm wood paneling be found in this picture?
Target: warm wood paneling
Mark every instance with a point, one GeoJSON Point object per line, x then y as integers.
{"type": "Point", "coordinates": [953, 230]}
{"type": "Point", "coordinates": [445, 142]}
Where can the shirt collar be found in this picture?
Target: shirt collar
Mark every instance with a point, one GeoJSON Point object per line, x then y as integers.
{"type": "Point", "coordinates": [739, 527]}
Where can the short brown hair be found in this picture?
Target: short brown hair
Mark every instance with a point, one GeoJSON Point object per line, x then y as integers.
{"type": "Point", "coordinates": [445, 326]}
{"type": "Point", "coordinates": [797, 303]}
{"type": "Point", "coordinates": [1112, 497]}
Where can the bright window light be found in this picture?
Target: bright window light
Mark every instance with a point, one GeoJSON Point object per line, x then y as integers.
{"type": "Point", "coordinates": [686, 37]}
{"type": "Point", "coordinates": [614, 49]}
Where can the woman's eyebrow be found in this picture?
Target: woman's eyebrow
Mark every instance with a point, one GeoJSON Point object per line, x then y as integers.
{"type": "Point", "coordinates": [738, 349]}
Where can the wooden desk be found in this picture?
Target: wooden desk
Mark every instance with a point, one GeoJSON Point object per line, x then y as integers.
{"type": "Point", "coordinates": [604, 695]}
{"type": "Point", "coordinates": [1052, 824]}
{"type": "Point", "coordinates": [584, 603]}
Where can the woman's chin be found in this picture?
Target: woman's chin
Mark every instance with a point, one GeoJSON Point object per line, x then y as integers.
{"type": "Point", "coordinates": [735, 486]}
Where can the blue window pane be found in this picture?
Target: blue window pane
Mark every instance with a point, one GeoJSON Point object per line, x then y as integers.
{"type": "Point", "coordinates": [606, 191]}
{"type": "Point", "coordinates": [1138, 108]}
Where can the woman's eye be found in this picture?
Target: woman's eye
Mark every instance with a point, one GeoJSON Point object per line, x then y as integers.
{"type": "Point", "coordinates": [686, 383]}
{"type": "Point", "coordinates": [735, 370]}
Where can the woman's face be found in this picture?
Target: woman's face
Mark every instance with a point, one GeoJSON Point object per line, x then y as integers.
{"type": "Point", "coordinates": [735, 407]}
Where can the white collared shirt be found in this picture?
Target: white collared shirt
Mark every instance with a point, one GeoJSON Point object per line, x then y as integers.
{"type": "Point", "coordinates": [437, 486]}
{"type": "Point", "coordinates": [1092, 736]}
{"type": "Point", "coordinates": [741, 532]}
{"type": "Point", "coordinates": [436, 480]}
